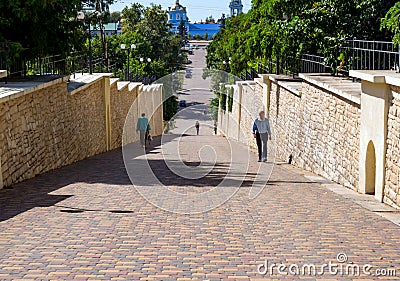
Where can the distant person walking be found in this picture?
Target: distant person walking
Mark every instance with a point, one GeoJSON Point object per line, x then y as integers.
{"type": "Point", "coordinates": [258, 141]}
{"type": "Point", "coordinates": [141, 127]}
{"type": "Point", "coordinates": [148, 136]}
{"type": "Point", "coordinates": [264, 129]}
{"type": "Point", "coordinates": [197, 127]}
{"type": "Point", "coordinates": [215, 127]}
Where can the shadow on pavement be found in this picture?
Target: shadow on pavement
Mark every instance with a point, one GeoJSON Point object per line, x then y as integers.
{"type": "Point", "coordinates": [105, 168]}
{"type": "Point", "coordinates": [194, 112]}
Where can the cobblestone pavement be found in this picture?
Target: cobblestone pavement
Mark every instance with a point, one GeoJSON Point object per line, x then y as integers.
{"type": "Point", "coordinates": [86, 222]}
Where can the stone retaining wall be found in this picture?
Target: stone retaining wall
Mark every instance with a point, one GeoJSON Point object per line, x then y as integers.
{"type": "Point", "coordinates": [121, 101]}
{"type": "Point", "coordinates": [48, 128]}
{"type": "Point", "coordinates": [392, 182]}
{"type": "Point", "coordinates": [319, 129]}
{"type": "Point", "coordinates": [285, 117]}
{"type": "Point", "coordinates": [344, 131]}
{"type": "Point", "coordinates": [252, 103]}
{"type": "Point", "coordinates": [328, 135]}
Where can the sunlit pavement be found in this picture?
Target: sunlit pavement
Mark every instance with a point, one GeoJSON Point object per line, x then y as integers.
{"type": "Point", "coordinates": [87, 222]}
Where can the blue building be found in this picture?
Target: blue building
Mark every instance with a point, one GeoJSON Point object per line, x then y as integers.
{"type": "Point", "coordinates": [236, 7]}
{"type": "Point", "coordinates": [177, 13]}
{"type": "Point", "coordinates": [110, 29]}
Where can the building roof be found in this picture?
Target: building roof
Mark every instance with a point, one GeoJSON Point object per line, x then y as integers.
{"type": "Point", "coordinates": [177, 6]}
{"type": "Point", "coordinates": [204, 26]}
{"type": "Point", "coordinates": [107, 26]}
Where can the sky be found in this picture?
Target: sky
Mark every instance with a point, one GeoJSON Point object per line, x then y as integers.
{"type": "Point", "coordinates": [197, 9]}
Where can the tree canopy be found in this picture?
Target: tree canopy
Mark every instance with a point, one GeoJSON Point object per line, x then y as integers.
{"type": "Point", "coordinates": [148, 29]}
{"type": "Point", "coordinates": [286, 28]}
{"type": "Point", "coordinates": [47, 27]}
{"type": "Point", "coordinates": [391, 22]}
{"type": "Point", "coordinates": [41, 27]}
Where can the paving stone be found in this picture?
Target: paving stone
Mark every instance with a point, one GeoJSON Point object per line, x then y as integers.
{"type": "Point", "coordinates": [291, 221]}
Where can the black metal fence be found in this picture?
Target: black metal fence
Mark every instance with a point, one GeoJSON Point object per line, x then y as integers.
{"type": "Point", "coordinates": [249, 75]}
{"type": "Point", "coordinates": [350, 55]}
{"type": "Point", "coordinates": [370, 55]}
{"type": "Point", "coordinates": [84, 64]}
{"type": "Point", "coordinates": [145, 79]}
{"type": "Point", "coordinates": [22, 66]}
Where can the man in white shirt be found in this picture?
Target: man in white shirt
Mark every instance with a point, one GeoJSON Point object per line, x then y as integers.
{"type": "Point", "coordinates": [264, 129]}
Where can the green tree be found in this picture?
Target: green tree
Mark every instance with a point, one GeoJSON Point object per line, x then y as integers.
{"type": "Point", "coordinates": [170, 107]}
{"type": "Point", "coordinates": [148, 29]}
{"type": "Point", "coordinates": [115, 17]}
{"type": "Point", "coordinates": [210, 19]}
{"type": "Point", "coordinates": [182, 30]}
{"type": "Point", "coordinates": [131, 16]}
{"type": "Point", "coordinates": [214, 106]}
{"type": "Point", "coordinates": [41, 28]}
{"type": "Point", "coordinates": [154, 27]}
{"type": "Point", "coordinates": [391, 22]}
{"type": "Point", "coordinates": [222, 20]}
{"type": "Point", "coordinates": [102, 7]}
{"type": "Point", "coordinates": [284, 29]}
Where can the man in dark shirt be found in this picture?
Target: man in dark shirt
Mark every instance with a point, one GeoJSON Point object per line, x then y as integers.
{"type": "Point", "coordinates": [258, 140]}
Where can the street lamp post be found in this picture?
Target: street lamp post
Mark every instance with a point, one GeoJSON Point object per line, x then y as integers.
{"type": "Point", "coordinates": [90, 52]}
{"type": "Point", "coordinates": [132, 47]}
{"type": "Point", "coordinates": [142, 60]}
{"type": "Point", "coordinates": [81, 17]}
{"type": "Point", "coordinates": [225, 63]}
{"type": "Point", "coordinates": [148, 60]}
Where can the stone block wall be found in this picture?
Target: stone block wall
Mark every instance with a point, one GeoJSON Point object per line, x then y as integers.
{"type": "Point", "coordinates": [392, 182]}
{"type": "Point", "coordinates": [320, 130]}
{"type": "Point", "coordinates": [48, 128]}
{"type": "Point", "coordinates": [285, 116]}
{"type": "Point", "coordinates": [150, 102]}
{"type": "Point", "coordinates": [252, 104]}
{"type": "Point", "coordinates": [121, 101]}
{"type": "Point", "coordinates": [127, 104]}
{"type": "Point", "coordinates": [325, 128]}
{"type": "Point", "coordinates": [329, 136]}
{"type": "Point", "coordinates": [157, 118]}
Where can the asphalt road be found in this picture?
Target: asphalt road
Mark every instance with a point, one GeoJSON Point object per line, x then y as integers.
{"type": "Point", "coordinates": [196, 91]}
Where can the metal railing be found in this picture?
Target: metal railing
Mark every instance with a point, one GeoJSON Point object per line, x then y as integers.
{"type": "Point", "coordinates": [313, 64]}
{"type": "Point", "coordinates": [266, 69]}
{"type": "Point", "coordinates": [3, 57]}
{"type": "Point", "coordinates": [22, 67]}
{"type": "Point", "coordinates": [249, 74]}
{"type": "Point", "coordinates": [145, 79]}
{"type": "Point", "coordinates": [370, 55]}
{"type": "Point", "coordinates": [77, 62]}
{"type": "Point", "coordinates": [351, 55]}
{"type": "Point", "coordinates": [81, 64]}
